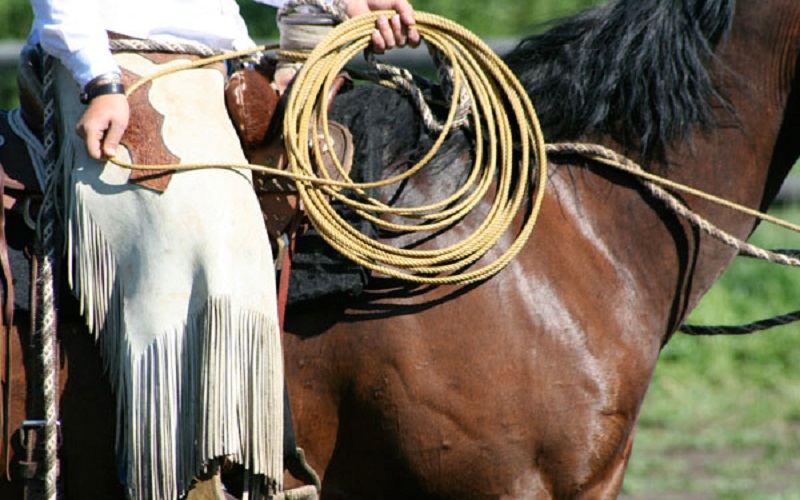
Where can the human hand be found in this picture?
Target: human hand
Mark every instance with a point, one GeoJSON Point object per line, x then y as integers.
{"type": "Point", "coordinates": [396, 31]}
{"type": "Point", "coordinates": [103, 123]}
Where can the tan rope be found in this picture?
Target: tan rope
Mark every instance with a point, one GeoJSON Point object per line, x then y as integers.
{"type": "Point", "coordinates": [487, 79]}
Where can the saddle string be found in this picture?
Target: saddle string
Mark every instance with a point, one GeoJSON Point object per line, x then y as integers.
{"type": "Point", "coordinates": [431, 27]}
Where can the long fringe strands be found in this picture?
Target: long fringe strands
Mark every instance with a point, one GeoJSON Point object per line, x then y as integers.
{"type": "Point", "coordinates": [215, 419]}
{"type": "Point", "coordinates": [219, 377]}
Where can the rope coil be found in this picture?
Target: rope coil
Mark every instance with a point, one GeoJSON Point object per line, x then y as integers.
{"type": "Point", "coordinates": [491, 87]}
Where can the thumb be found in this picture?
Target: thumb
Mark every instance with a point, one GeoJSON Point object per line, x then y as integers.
{"type": "Point", "coordinates": [112, 138]}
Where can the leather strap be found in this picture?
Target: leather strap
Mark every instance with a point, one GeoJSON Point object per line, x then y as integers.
{"type": "Point", "coordinates": [293, 457]}
{"type": "Point", "coordinates": [285, 268]}
{"type": "Point", "coordinates": [5, 334]}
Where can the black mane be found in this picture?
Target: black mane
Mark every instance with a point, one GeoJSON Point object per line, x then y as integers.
{"type": "Point", "coordinates": [634, 70]}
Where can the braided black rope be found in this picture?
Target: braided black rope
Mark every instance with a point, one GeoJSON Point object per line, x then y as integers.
{"type": "Point", "coordinates": [743, 329]}
{"type": "Point", "coordinates": [746, 328]}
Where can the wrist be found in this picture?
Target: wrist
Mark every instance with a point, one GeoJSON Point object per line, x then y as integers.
{"type": "Point", "coordinates": [108, 83]}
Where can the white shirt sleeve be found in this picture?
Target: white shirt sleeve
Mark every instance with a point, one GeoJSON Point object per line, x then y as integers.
{"type": "Point", "coordinates": [72, 31]}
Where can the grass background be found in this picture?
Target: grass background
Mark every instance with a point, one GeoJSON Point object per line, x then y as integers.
{"type": "Point", "coordinates": [722, 417]}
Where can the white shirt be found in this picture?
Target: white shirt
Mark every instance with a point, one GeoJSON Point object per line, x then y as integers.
{"type": "Point", "coordinates": [75, 31]}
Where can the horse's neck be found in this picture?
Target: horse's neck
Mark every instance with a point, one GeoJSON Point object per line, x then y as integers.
{"type": "Point", "coordinates": [743, 159]}
{"type": "Point", "coordinates": [763, 51]}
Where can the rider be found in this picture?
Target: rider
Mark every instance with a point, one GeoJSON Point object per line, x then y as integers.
{"type": "Point", "coordinates": [166, 279]}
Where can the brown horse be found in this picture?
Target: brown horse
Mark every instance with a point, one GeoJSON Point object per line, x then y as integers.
{"type": "Point", "coordinates": [529, 384]}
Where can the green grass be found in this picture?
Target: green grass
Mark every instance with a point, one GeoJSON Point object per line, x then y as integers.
{"type": "Point", "coordinates": [722, 417]}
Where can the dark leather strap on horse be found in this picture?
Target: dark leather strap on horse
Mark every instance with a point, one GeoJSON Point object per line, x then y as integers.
{"type": "Point", "coordinates": [284, 267]}
{"type": "Point", "coordinates": [293, 457]}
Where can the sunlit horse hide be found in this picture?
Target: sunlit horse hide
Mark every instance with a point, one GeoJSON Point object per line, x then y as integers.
{"type": "Point", "coordinates": [177, 285]}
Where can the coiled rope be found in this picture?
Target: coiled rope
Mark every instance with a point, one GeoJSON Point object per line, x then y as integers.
{"type": "Point", "coordinates": [487, 80]}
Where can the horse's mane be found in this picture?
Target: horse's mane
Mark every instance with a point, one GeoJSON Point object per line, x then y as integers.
{"type": "Point", "coordinates": [634, 70]}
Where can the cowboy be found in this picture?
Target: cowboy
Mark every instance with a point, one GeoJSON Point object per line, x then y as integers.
{"type": "Point", "coordinates": [174, 279]}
